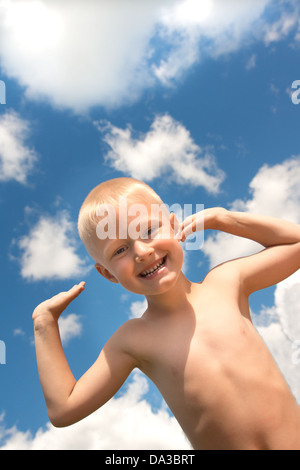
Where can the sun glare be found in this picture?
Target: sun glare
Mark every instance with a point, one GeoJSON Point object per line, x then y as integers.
{"type": "Point", "coordinates": [37, 26]}
{"type": "Point", "coordinates": [193, 11]}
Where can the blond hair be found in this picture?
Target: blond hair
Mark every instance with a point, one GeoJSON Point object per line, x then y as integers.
{"type": "Point", "coordinates": [109, 192]}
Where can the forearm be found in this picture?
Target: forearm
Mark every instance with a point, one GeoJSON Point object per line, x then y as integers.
{"type": "Point", "coordinates": [56, 378]}
{"type": "Point", "coordinates": [268, 231]}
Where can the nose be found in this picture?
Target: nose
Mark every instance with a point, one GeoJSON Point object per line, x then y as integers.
{"type": "Point", "coordinates": [142, 250]}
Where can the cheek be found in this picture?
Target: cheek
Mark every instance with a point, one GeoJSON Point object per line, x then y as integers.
{"type": "Point", "coordinates": [122, 268]}
{"type": "Point", "coordinates": [175, 250]}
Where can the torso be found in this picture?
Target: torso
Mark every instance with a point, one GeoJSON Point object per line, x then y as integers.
{"type": "Point", "coordinates": [216, 374]}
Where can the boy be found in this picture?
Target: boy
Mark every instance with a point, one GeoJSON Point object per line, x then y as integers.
{"type": "Point", "coordinates": [195, 341]}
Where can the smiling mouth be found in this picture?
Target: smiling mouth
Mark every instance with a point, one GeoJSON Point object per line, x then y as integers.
{"type": "Point", "coordinates": [150, 272]}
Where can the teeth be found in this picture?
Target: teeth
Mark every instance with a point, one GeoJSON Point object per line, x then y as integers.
{"type": "Point", "coordinates": [150, 271]}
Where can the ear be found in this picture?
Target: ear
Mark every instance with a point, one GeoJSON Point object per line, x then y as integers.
{"type": "Point", "coordinates": [176, 226]}
{"type": "Point", "coordinates": [105, 273]}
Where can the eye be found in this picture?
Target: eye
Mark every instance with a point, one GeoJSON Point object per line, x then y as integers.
{"type": "Point", "coordinates": [119, 251]}
{"type": "Point", "coordinates": [151, 231]}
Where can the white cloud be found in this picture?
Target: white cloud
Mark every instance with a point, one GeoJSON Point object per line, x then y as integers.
{"type": "Point", "coordinates": [166, 150]}
{"type": "Point", "coordinates": [282, 336]}
{"type": "Point", "coordinates": [138, 308]}
{"type": "Point", "coordinates": [69, 327]}
{"type": "Point", "coordinates": [18, 332]}
{"type": "Point", "coordinates": [126, 422]}
{"type": "Point", "coordinates": [251, 64]}
{"type": "Point", "coordinates": [280, 29]}
{"type": "Point", "coordinates": [222, 247]}
{"type": "Point", "coordinates": [287, 306]}
{"type": "Point", "coordinates": [49, 250]}
{"type": "Point", "coordinates": [80, 54]}
{"type": "Point", "coordinates": [212, 27]}
{"type": "Point", "coordinates": [16, 158]}
{"type": "Point", "coordinates": [275, 191]}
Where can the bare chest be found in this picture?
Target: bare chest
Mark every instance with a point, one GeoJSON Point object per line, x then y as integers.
{"type": "Point", "coordinates": [193, 347]}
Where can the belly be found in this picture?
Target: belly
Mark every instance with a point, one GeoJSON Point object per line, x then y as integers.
{"type": "Point", "coordinates": [241, 402]}
{"type": "Point", "coordinates": [249, 424]}
{"type": "Point", "coordinates": [224, 388]}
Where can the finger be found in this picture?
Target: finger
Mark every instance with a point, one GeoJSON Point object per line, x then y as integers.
{"type": "Point", "coordinates": [186, 233]}
{"type": "Point", "coordinates": [76, 289]}
{"type": "Point", "coordinates": [187, 221]}
{"type": "Point", "coordinates": [192, 224]}
{"type": "Point", "coordinates": [188, 229]}
{"type": "Point", "coordinates": [176, 227]}
{"type": "Point", "coordinates": [65, 298]}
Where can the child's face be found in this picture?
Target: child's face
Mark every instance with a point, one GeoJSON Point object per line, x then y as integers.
{"type": "Point", "coordinates": [148, 259]}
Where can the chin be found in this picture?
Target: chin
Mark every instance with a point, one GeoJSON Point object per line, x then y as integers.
{"type": "Point", "coordinates": [166, 285]}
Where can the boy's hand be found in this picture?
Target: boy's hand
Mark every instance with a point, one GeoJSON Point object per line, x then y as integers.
{"type": "Point", "coordinates": [203, 220]}
{"type": "Point", "coordinates": [56, 305]}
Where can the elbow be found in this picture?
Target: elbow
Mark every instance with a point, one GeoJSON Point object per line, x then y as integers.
{"type": "Point", "coordinates": [64, 417]}
{"type": "Point", "coordinates": [59, 419]}
{"type": "Point", "coordinates": [58, 424]}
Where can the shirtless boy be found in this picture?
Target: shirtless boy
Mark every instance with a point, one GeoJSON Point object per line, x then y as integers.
{"type": "Point", "coordinates": [195, 341]}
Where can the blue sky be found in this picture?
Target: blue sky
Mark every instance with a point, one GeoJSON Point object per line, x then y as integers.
{"type": "Point", "coordinates": [194, 97]}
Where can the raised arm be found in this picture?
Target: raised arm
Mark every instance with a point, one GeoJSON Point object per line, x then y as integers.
{"type": "Point", "coordinates": [68, 400]}
{"type": "Point", "coordinates": [281, 238]}
{"type": "Point", "coordinates": [268, 231]}
{"type": "Point", "coordinates": [279, 260]}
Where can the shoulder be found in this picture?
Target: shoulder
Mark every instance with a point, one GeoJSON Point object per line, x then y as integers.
{"type": "Point", "coordinates": [225, 273]}
{"type": "Point", "coordinates": [132, 326]}
{"type": "Point", "coordinates": [130, 336]}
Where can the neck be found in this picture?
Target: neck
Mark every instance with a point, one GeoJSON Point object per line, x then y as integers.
{"type": "Point", "coordinates": [174, 298]}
